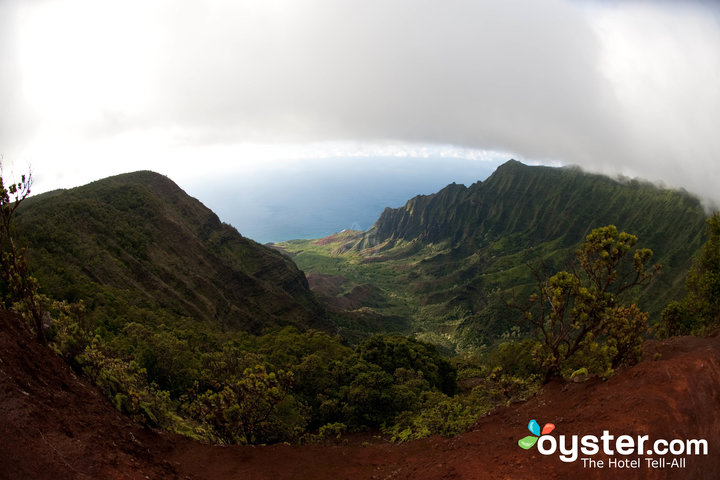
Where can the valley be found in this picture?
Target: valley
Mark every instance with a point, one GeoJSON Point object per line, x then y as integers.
{"type": "Point", "coordinates": [448, 263]}
{"type": "Point", "coordinates": [381, 240]}
{"type": "Point", "coordinates": [194, 347]}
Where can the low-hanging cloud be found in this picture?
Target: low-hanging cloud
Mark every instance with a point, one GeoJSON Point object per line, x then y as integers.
{"type": "Point", "coordinates": [627, 87]}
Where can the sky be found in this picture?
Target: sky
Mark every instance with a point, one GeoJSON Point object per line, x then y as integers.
{"type": "Point", "coordinates": [249, 104]}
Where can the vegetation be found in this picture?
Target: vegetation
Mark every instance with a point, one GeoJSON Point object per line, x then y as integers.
{"type": "Point", "coordinates": [446, 262]}
{"type": "Point", "coordinates": [580, 316]}
{"type": "Point", "coordinates": [21, 286]}
{"type": "Point", "coordinates": [188, 356]}
{"type": "Point", "coordinates": [187, 326]}
{"type": "Point", "coordinates": [136, 249]}
{"type": "Point", "coordinates": [699, 311]}
{"type": "Point", "coordinates": [281, 386]}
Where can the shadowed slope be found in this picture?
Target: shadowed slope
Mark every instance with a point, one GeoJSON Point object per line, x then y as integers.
{"type": "Point", "coordinates": [137, 241]}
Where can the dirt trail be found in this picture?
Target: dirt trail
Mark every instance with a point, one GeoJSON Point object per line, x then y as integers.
{"type": "Point", "coordinates": [54, 425]}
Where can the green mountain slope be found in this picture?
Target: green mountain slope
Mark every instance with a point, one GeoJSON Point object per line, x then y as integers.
{"type": "Point", "coordinates": [447, 261]}
{"type": "Point", "coordinates": [136, 248]}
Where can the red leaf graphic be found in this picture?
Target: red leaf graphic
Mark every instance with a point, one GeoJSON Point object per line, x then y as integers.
{"type": "Point", "coordinates": [549, 427]}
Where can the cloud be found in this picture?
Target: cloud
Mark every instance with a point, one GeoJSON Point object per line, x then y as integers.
{"type": "Point", "coordinates": [483, 74]}
{"type": "Point", "coordinates": [624, 87]}
{"type": "Point", "coordinates": [662, 65]}
{"type": "Point", "coordinates": [13, 119]}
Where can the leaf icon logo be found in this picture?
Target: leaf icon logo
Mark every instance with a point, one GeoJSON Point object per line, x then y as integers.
{"type": "Point", "coordinates": [528, 442]}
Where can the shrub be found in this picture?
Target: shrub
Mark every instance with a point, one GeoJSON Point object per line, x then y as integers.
{"type": "Point", "coordinates": [393, 352]}
{"type": "Point", "coordinates": [580, 313]}
{"type": "Point", "coordinates": [125, 384]}
{"type": "Point", "coordinates": [438, 415]}
{"type": "Point", "coordinates": [248, 409]}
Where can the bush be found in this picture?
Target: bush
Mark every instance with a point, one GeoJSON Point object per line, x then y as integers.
{"type": "Point", "coordinates": [125, 384]}
{"type": "Point", "coordinates": [325, 432]}
{"type": "Point", "coordinates": [250, 409]}
{"type": "Point", "coordinates": [393, 352]}
{"type": "Point", "coordinates": [579, 313]}
{"type": "Point", "coordinates": [675, 320]}
{"type": "Point", "coordinates": [67, 335]}
{"type": "Point", "coordinates": [517, 358]}
{"type": "Point", "coordinates": [699, 311]}
{"type": "Point", "coordinates": [438, 415]}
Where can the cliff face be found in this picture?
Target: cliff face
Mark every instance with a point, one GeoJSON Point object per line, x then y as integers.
{"type": "Point", "coordinates": [540, 204]}
{"type": "Point", "coordinates": [430, 218]}
{"type": "Point", "coordinates": [449, 259]}
{"type": "Point", "coordinates": [138, 240]}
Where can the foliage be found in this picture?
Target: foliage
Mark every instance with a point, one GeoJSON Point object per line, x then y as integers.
{"type": "Point", "coordinates": [245, 409]}
{"type": "Point", "coordinates": [498, 387]}
{"type": "Point", "coordinates": [699, 311]}
{"type": "Point", "coordinates": [68, 333]}
{"type": "Point", "coordinates": [580, 314]}
{"type": "Point", "coordinates": [125, 384]}
{"type": "Point", "coordinates": [282, 386]}
{"type": "Point", "coordinates": [516, 358]}
{"type": "Point", "coordinates": [167, 356]}
{"type": "Point", "coordinates": [439, 414]}
{"type": "Point", "coordinates": [506, 374]}
{"type": "Point", "coordinates": [441, 260]}
{"type": "Point", "coordinates": [675, 320]}
{"type": "Point", "coordinates": [703, 280]}
{"type": "Point", "coordinates": [393, 352]}
{"type": "Point", "coordinates": [22, 287]}
{"type": "Point", "coordinates": [625, 334]}
{"type": "Point", "coordinates": [332, 429]}
{"type": "Point", "coordinates": [369, 397]}
{"type": "Point", "coordinates": [286, 385]}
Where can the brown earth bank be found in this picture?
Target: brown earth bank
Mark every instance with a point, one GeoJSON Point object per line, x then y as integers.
{"type": "Point", "coordinates": [54, 425]}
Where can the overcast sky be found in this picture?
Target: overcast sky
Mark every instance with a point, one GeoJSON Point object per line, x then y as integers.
{"type": "Point", "coordinates": [196, 89]}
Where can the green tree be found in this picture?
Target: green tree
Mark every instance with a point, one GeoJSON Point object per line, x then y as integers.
{"type": "Point", "coordinates": [700, 309]}
{"type": "Point", "coordinates": [581, 312]}
{"type": "Point", "coordinates": [703, 280]}
{"type": "Point", "coordinates": [438, 415]}
{"type": "Point", "coordinates": [22, 287]}
{"type": "Point", "coordinates": [241, 409]}
{"type": "Point", "coordinates": [393, 352]}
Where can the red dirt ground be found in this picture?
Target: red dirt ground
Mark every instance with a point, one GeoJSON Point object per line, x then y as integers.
{"type": "Point", "coordinates": [54, 425]}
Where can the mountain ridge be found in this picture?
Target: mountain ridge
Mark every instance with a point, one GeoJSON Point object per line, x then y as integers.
{"type": "Point", "coordinates": [447, 259]}
{"type": "Point", "coordinates": [141, 238]}
{"type": "Point", "coordinates": [516, 185]}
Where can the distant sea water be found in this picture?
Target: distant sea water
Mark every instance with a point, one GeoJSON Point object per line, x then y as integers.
{"type": "Point", "coordinates": [274, 205]}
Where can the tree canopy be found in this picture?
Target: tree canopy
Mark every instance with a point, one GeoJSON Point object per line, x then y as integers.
{"type": "Point", "coordinates": [580, 316]}
{"type": "Point", "coordinates": [700, 309]}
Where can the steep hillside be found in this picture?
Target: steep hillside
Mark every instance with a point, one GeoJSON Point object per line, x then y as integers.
{"type": "Point", "coordinates": [54, 425]}
{"type": "Point", "coordinates": [446, 261]}
{"type": "Point", "coordinates": [535, 205]}
{"type": "Point", "coordinates": [136, 246]}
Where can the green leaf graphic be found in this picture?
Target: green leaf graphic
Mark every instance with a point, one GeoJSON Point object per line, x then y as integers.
{"type": "Point", "coordinates": [528, 442]}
